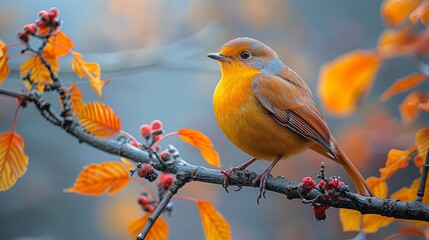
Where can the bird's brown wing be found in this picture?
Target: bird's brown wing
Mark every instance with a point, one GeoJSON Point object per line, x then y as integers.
{"type": "Point", "coordinates": [291, 106]}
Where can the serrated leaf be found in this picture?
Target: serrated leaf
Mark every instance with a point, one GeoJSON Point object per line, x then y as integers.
{"type": "Point", "coordinates": [410, 107]}
{"type": "Point", "coordinates": [58, 45]}
{"type": "Point", "coordinates": [159, 230]}
{"type": "Point", "coordinates": [100, 120]}
{"type": "Point", "coordinates": [4, 68]}
{"type": "Point", "coordinates": [396, 159]}
{"type": "Point", "coordinates": [202, 142]}
{"type": "Point", "coordinates": [214, 224]}
{"type": "Point", "coordinates": [39, 74]}
{"type": "Point", "coordinates": [395, 12]}
{"type": "Point", "coordinates": [13, 161]}
{"type": "Point", "coordinates": [97, 179]}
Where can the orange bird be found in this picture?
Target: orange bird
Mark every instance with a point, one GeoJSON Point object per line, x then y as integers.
{"type": "Point", "coordinates": [267, 111]}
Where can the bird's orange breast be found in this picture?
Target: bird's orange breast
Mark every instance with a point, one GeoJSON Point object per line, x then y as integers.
{"type": "Point", "coordinates": [246, 122]}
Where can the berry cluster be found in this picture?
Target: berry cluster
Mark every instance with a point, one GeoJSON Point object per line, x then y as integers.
{"type": "Point", "coordinates": [47, 22]}
{"type": "Point", "coordinates": [331, 188]}
{"type": "Point", "coordinates": [152, 133]}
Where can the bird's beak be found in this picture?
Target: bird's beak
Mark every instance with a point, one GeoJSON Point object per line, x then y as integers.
{"type": "Point", "coordinates": [218, 57]}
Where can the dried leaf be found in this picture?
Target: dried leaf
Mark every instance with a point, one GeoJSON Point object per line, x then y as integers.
{"type": "Point", "coordinates": [201, 141]}
{"type": "Point", "coordinates": [58, 45]}
{"type": "Point", "coordinates": [13, 161]}
{"type": "Point", "coordinates": [159, 230]}
{"type": "Point", "coordinates": [39, 73]}
{"type": "Point", "coordinates": [396, 11]}
{"type": "Point", "coordinates": [403, 84]}
{"type": "Point", "coordinates": [76, 99]}
{"type": "Point", "coordinates": [97, 179]}
{"type": "Point", "coordinates": [89, 69]}
{"type": "Point", "coordinates": [396, 159]}
{"type": "Point", "coordinates": [4, 68]}
{"type": "Point", "coordinates": [100, 120]}
{"type": "Point", "coordinates": [372, 222]}
{"type": "Point", "coordinates": [422, 142]}
{"type": "Point", "coordinates": [350, 219]}
{"type": "Point", "coordinates": [214, 224]}
{"type": "Point", "coordinates": [344, 81]}
{"type": "Point", "coordinates": [410, 107]}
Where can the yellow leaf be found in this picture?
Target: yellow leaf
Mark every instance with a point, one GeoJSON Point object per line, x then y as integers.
{"type": "Point", "coordinates": [58, 45]}
{"type": "Point", "coordinates": [396, 159]}
{"type": "Point", "coordinates": [378, 186]}
{"type": "Point", "coordinates": [215, 226]}
{"type": "Point", "coordinates": [13, 161]}
{"type": "Point", "coordinates": [201, 141]}
{"type": "Point", "coordinates": [403, 84]}
{"type": "Point", "coordinates": [344, 81]}
{"type": "Point", "coordinates": [4, 68]}
{"type": "Point", "coordinates": [89, 69]}
{"type": "Point", "coordinates": [350, 219]}
{"type": "Point", "coordinates": [410, 107]}
{"type": "Point", "coordinates": [127, 163]}
{"type": "Point", "coordinates": [96, 179]}
{"type": "Point", "coordinates": [76, 99]}
{"type": "Point", "coordinates": [99, 120]}
{"type": "Point", "coordinates": [396, 11]}
{"type": "Point", "coordinates": [422, 142]}
{"type": "Point", "coordinates": [159, 230]}
{"type": "Point", "coordinates": [39, 73]}
{"type": "Point", "coordinates": [373, 222]}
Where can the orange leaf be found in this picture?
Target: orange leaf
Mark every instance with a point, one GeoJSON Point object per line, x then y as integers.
{"type": "Point", "coordinates": [350, 219]}
{"type": "Point", "coordinates": [89, 69]}
{"type": "Point", "coordinates": [373, 222]}
{"type": "Point", "coordinates": [96, 179]}
{"type": "Point", "coordinates": [378, 186]}
{"type": "Point", "coordinates": [406, 232]}
{"type": "Point", "coordinates": [201, 141]}
{"type": "Point", "coordinates": [13, 161]}
{"type": "Point", "coordinates": [403, 84]}
{"type": "Point", "coordinates": [344, 81]}
{"type": "Point", "coordinates": [99, 120]}
{"type": "Point", "coordinates": [76, 99]}
{"type": "Point", "coordinates": [127, 163]}
{"type": "Point", "coordinates": [422, 142]}
{"type": "Point", "coordinates": [39, 74]}
{"type": "Point", "coordinates": [421, 12]}
{"type": "Point", "coordinates": [407, 194]}
{"type": "Point", "coordinates": [396, 11]}
{"type": "Point", "coordinates": [396, 159]}
{"type": "Point", "coordinates": [424, 106]}
{"type": "Point", "coordinates": [159, 230]}
{"type": "Point", "coordinates": [4, 68]}
{"type": "Point", "coordinates": [410, 107]}
{"type": "Point", "coordinates": [214, 225]}
{"type": "Point", "coordinates": [58, 45]}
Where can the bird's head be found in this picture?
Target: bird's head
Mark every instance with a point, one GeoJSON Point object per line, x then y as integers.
{"type": "Point", "coordinates": [247, 52]}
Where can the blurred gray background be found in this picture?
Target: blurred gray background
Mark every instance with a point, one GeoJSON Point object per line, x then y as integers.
{"type": "Point", "coordinates": [154, 54]}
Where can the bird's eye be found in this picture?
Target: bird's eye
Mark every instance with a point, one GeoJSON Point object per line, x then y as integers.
{"type": "Point", "coordinates": [245, 55]}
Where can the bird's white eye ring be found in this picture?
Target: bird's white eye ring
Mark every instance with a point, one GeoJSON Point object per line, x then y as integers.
{"type": "Point", "coordinates": [245, 55]}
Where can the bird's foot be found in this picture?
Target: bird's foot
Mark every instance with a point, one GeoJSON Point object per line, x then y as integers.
{"type": "Point", "coordinates": [262, 179]}
{"type": "Point", "coordinates": [227, 177]}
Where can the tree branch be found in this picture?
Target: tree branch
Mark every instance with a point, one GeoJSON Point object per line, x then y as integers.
{"type": "Point", "coordinates": [414, 210]}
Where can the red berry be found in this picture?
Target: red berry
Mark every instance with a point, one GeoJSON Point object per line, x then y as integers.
{"type": "Point", "coordinates": [23, 36]}
{"type": "Point", "coordinates": [164, 155]}
{"type": "Point", "coordinates": [167, 180]}
{"type": "Point", "coordinates": [145, 130]}
{"type": "Point", "coordinates": [143, 200]}
{"type": "Point", "coordinates": [30, 28]}
{"type": "Point", "coordinates": [41, 24]}
{"type": "Point", "coordinates": [319, 212]}
{"type": "Point", "coordinates": [145, 170]}
{"type": "Point", "coordinates": [53, 13]}
{"type": "Point", "coordinates": [149, 208]}
{"type": "Point", "coordinates": [305, 186]}
{"type": "Point", "coordinates": [156, 127]}
{"type": "Point", "coordinates": [42, 13]}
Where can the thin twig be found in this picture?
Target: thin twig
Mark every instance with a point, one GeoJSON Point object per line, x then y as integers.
{"type": "Point", "coordinates": [160, 208]}
{"type": "Point", "coordinates": [423, 179]}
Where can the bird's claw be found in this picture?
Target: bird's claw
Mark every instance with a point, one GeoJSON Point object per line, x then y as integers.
{"type": "Point", "coordinates": [226, 178]}
{"type": "Point", "coordinates": [262, 179]}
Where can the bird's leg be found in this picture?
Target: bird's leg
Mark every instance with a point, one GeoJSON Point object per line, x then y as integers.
{"type": "Point", "coordinates": [227, 173]}
{"type": "Point", "coordinates": [263, 178]}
